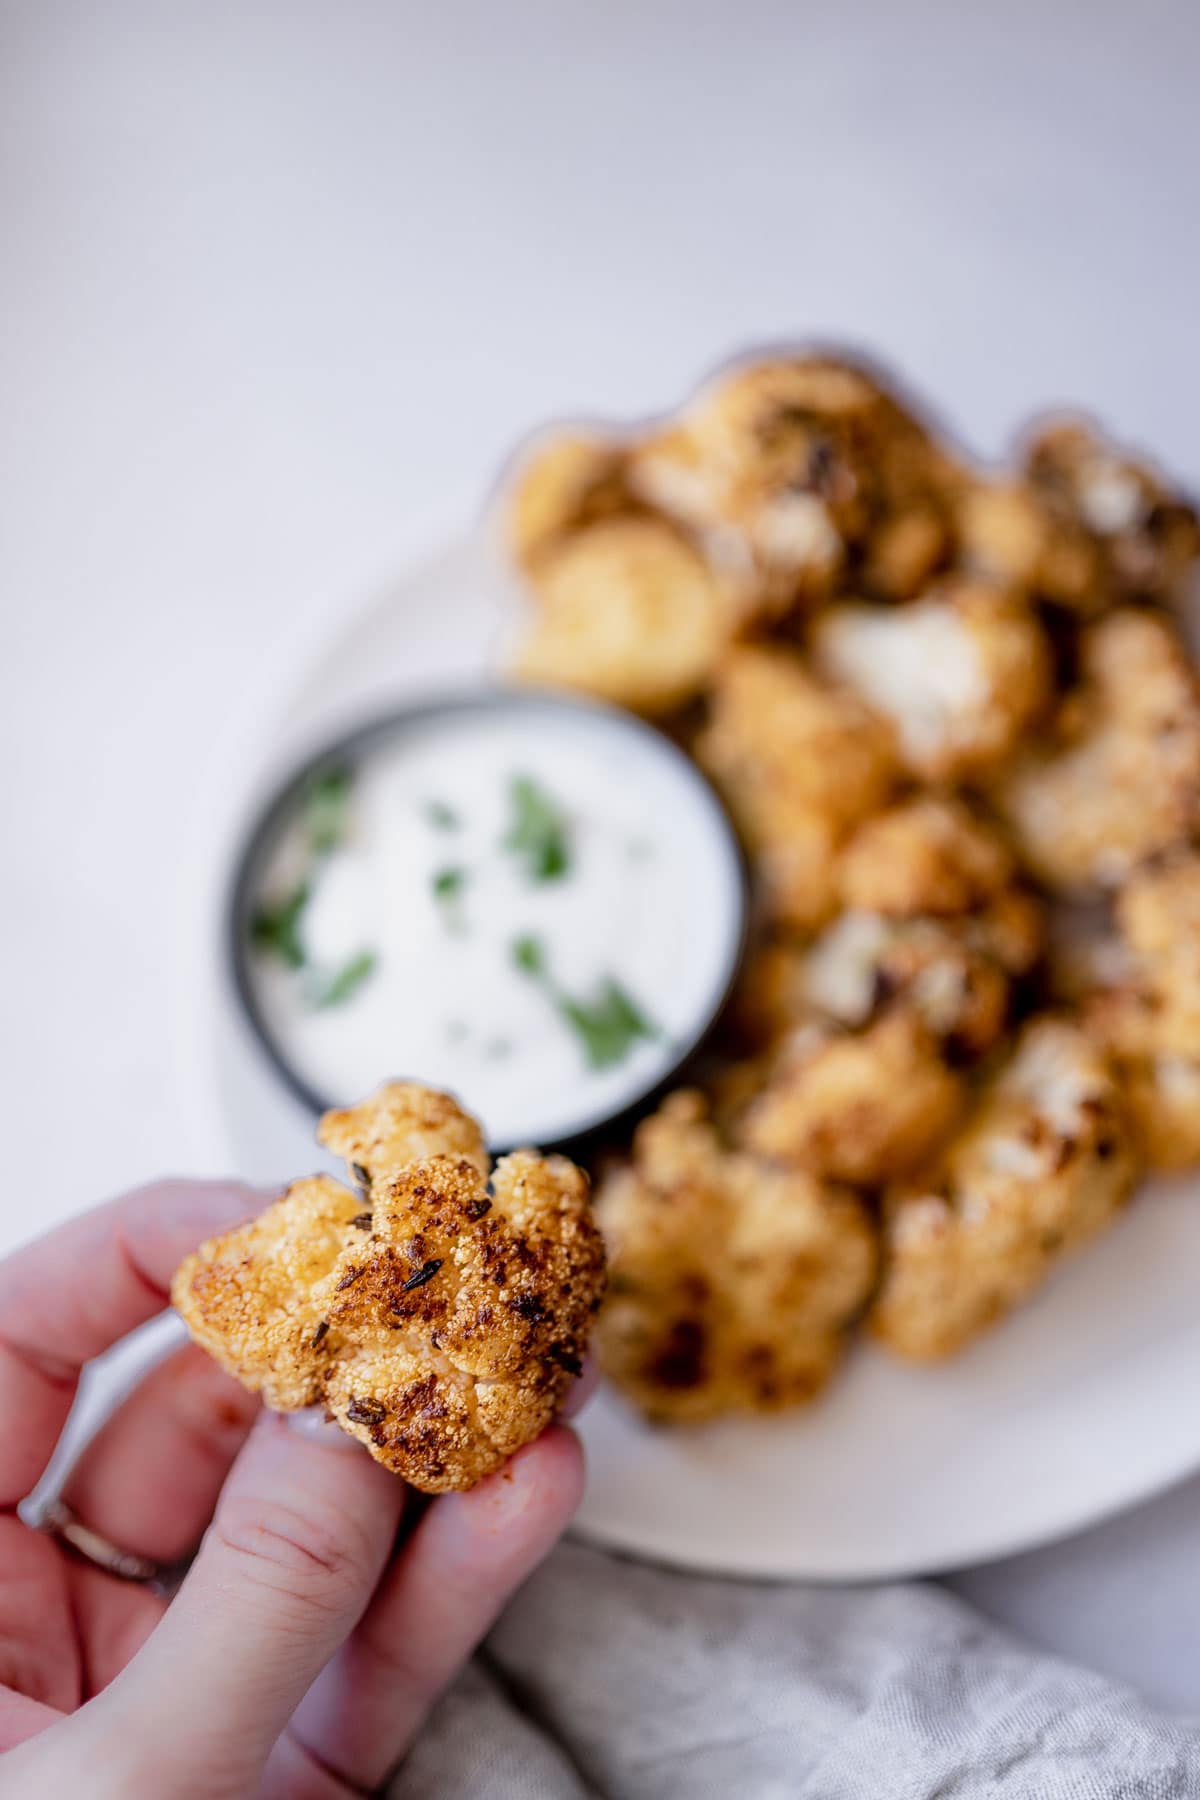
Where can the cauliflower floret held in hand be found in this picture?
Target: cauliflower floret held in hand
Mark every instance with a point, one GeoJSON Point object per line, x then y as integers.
{"type": "Point", "coordinates": [1041, 1165]}
{"type": "Point", "coordinates": [734, 1280]}
{"type": "Point", "coordinates": [439, 1317]}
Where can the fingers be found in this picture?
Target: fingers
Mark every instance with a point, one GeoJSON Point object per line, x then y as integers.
{"type": "Point", "coordinates": [301, 1535]}
{"type": "Point", "coordinates": [76, 1291]}
{"type": "Point", "coordinates": [21, 1718]}
{"type": "Point", "coordinates": [149, 1480]}
{"type": "Point", "coordinates": [466, 1556]}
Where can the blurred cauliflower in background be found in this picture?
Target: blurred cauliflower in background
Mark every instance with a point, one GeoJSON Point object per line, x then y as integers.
{"type": "Point", "coordinates": [955, 718]}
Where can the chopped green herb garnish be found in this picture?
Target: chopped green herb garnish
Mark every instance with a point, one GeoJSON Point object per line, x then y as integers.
{"type": "Point", "coordinates": [347, 980]}
{"type": "Point", "coordinates": [441, 816]}
{"type": "Point", "coordinates": [326, 807]}
{"type": "Point", "coordinates": [275, 927]}
{"type": "Point", "coordinates": [447, 884]}
{"type": "Point", "coordinates": [608, 1025]}
{"type": "Point", "coordinates": [529, 953]}
{"type": "Point", "coordinates": [539, 831]}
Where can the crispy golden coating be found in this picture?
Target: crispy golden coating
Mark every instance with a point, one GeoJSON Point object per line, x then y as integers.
{"type": "Point", "coordinates": [959, 674]}
{"type": "Point", "coordinates": [799, 762]}
{"type": "Point", "coordinates": [568, 481]}
{"type": "Point", "coordinates": [1040, 1166]}
{"type": "Point", "coordinates": [733, 1281]}
{"type": "Point", "coordinates": [438, 1320]}
{"type": "Point", "coordinates": [628, 611]}
{"type": "Point", "coordinates": [1146, 537]}
{"type": "Point", "coordinates": [1119, 779]}
{"type": "Point", "coordinates": [854, 1106]}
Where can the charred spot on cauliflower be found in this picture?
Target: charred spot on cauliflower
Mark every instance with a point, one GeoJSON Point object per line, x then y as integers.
{"type": "Point", "coordinates": [444, 1332]}
{"type": "Point", "coordinates": [1041, 1165]}
{"type": "Point", "coordinates": [734, 1280]}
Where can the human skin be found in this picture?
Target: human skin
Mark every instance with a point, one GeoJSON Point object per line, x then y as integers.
{"type": "Point", "coordinates": [316, 1625]}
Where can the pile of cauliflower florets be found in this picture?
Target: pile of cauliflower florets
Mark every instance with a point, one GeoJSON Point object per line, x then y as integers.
{"type": "Point", "coordinates": [956, 722]}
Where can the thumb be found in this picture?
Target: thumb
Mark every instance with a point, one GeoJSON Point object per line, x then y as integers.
{"type": "Point", "coordinates": [303, 1529]}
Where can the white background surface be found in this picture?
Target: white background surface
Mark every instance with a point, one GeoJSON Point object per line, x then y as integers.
{"type": "Point", "coordinates": [281, 284]}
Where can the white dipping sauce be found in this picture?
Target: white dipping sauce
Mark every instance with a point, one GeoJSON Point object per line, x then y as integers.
{"type": "Point", "coordinates": [651, 900]}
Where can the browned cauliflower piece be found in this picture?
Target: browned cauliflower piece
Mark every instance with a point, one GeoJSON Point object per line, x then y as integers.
{"type": "Point", "coordinates": [1145, 1008]}
{"type": "Point", "coordinates": [1009, 535]}
{"type": "Point", "coordinates": [628, 610]}
{"type": "Point", "coordinates": [1041, 1165]}
{"type": "Point", "coordinates": [438, 1319]}
{"type": "Point", "coordinates": [1161, 1086]}
{"type": "Point", "coordinates": [1158, 911]}
{"type": "Point", "coordinates": [800, 762]}
{"type": "Point", "coordinates": [933, 918]}
{"type": "Point", "coordinates": [960, 674]}
{"type": "Point", "coordinates": [568, 481]}
{"type": "Point", "coordinates": [733, 1280]}
{"type": "Point", "coordinates": [1119, 780]}
{"type": "Point", "coordinates": [853, 1106]}
{"type": "Point", "coordinates": [1146, 537]}
{"type": "Point", "coordinates": [798, 465]}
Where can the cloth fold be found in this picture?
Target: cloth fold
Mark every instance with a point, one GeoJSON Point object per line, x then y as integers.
{"type": "Point", "coordinates": [608, 1677]}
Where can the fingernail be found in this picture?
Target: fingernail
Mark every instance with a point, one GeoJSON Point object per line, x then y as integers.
{"type": "Point", "coordinates": [320, 1427]}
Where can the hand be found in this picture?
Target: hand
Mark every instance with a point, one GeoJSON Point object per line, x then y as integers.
{"type": "Point", "coordinates": [305, 1645]}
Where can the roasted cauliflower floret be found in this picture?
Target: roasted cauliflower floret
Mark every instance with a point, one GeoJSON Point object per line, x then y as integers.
{"type": "Point", "coordinates": [800, 762]}
{"type": "Point", "coordinates": [1119, 780]}
{"type": "Point", "coordinates": [853, 1106]}
{"type": "Point", "coordinates": [628, 610]}
{"type": "Point", "coordinates": [568, 481]}
{"type": "Point", "coordinates": [1161, 1086]}
{"type": "Point", "coordinates": [1146, 537]}
{"type": "Point", "coordinates": [933, 918]}
{"type": "Point", "coordinates": [959, 674]}
{"type": "Point", "coordinates": [1144, 1007]}
{"type": "Point", "coordinates": [733, 1281]}
{"type": "Point", "coordinates": [1159, 914]}
{"type": "Point", "coordinates": [1040, 1166]}
{"type": "Point", "coordinates": [438, 1319]}
{"type": "Point", "coordinates": [1009, 535]}
{"type": "Point", "coordinates": [804, 463]}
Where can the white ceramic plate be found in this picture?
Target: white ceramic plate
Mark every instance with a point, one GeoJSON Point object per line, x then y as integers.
{"type": "Point", "coordinates": [1082, 1404]}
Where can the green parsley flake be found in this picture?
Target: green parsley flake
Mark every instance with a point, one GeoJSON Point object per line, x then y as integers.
{"type": "Point", "coordinates": [275, 927]}
{"type": "Point", "coordinates": [441, 816]}
{"type": "Point", "coordinates": [608, 1025]}
{"type": "Point", "coordinates": [326, 807]}
{"type": "Point", "coordinates": [347, 980]}
{"type": "Point", "coordinates": [539, 833]}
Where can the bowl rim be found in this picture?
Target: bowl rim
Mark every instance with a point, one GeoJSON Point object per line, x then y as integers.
{"type": "Point", "coordinates": [284, 793]}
